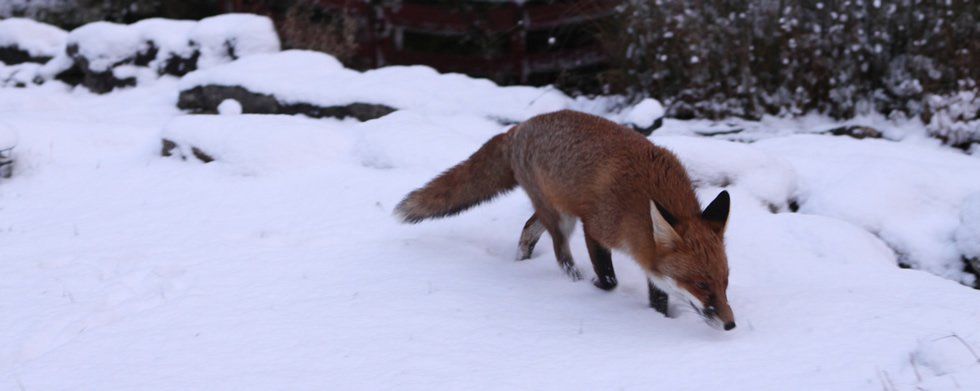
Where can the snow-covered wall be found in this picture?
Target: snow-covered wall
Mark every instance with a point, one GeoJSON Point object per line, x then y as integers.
{"type": "Point", "coordinates": [104, 55]}
{"type": "Point", "coordinates": [24, 40]}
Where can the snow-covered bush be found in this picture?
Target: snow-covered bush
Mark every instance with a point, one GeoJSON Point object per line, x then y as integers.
{"type": "Point", "coordinates": [718, 59]}
{"type": "Point", "coordinates": [955, 118]}
{"type": "Point", "coordinates": [24, 40]}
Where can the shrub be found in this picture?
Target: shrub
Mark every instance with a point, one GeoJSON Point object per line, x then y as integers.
{"type": "Point", "coordinates": [713, 59]}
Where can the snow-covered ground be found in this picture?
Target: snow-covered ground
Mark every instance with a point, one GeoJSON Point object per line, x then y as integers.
{"type": "Point", "coordinates": [279, 265]}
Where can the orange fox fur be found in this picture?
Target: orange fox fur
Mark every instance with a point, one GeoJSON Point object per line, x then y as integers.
{"type": "Point", "coordinates": [629, 194]}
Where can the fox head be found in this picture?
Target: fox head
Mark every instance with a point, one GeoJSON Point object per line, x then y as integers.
{"type": "Point", "coordinates": [691, 260]}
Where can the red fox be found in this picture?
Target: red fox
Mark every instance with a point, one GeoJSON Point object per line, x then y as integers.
{"type": "Point", "coordinates": [629, 194]}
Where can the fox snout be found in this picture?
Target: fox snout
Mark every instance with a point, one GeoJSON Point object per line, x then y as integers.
{"type": "Point", "coordinates": [728, 318]}
{"type": "Point", "coordinates": [723, 319]}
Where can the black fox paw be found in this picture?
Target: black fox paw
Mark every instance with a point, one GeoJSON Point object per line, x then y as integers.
{"type": "Point", "coordinates": [606, 283]}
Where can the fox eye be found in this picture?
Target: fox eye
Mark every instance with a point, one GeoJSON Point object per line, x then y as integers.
{"type": "Point", "coordinates": [702, 285]}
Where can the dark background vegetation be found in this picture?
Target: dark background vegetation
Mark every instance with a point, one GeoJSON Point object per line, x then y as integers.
{"type": "Point", "coordinates": [839, 57]}
{"type": "Point", "coordinates": [703, 59]}
{"type": "Point", "coordinates": [69, 14]}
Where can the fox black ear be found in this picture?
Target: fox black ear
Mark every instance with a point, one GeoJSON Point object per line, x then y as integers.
{"type": "Point", "coordinates": [716, 214]}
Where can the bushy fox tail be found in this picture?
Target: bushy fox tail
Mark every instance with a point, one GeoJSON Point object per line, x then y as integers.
{"type": "Point", "coordinates": [483, 176]}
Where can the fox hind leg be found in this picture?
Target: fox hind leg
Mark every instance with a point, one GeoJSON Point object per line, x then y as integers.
{"type": "Point", "coordinates": [559, 227]}
{"type": "Point", "coordinates": [529, 237]}
{"type": "Point", "coordinates": [602, 263]}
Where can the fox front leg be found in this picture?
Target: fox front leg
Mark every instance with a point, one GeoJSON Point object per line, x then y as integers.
{"type": "Point", "coordinates": [658, 298]}
{"type": "Point", "coordinates": [605, 275]}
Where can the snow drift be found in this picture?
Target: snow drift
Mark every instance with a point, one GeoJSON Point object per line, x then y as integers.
{"type": "Point", "coordinates": [908, 195]}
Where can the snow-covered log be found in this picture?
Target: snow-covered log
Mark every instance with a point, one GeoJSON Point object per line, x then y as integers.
{"type": "Point", "coordinates": [316, 84]}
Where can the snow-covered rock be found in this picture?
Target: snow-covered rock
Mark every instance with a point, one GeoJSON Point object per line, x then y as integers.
{"type": "Point", "coordinates": [646, 116]}
{"type": "Point", "coordinates": [25, 40]}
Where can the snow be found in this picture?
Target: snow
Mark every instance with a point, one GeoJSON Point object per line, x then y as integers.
{"type": "Point", "coordinates": [8, 137]}
{"type": "Point", "coordinates": [909, 195]}
{"type": "Point", "coordinates": [968, 233]}
{"type": "Point", "coordinates": [279, 265]}
{"type": "Point", "coordinates": [245, 141]}
{"type": "Point", "coordinates": [229, 107]}
{"type": "Point", "coordinates": [227, 37]}
{"type": "Point", "coordinates": [37, 39]}
{"type": "Point", "coordinates": [769, 179]}
{"type": "Point", "coordinates": [18, 74]}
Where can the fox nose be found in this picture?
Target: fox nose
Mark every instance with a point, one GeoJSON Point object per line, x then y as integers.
{"type": "Point", "coordinates": [729, 326]}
